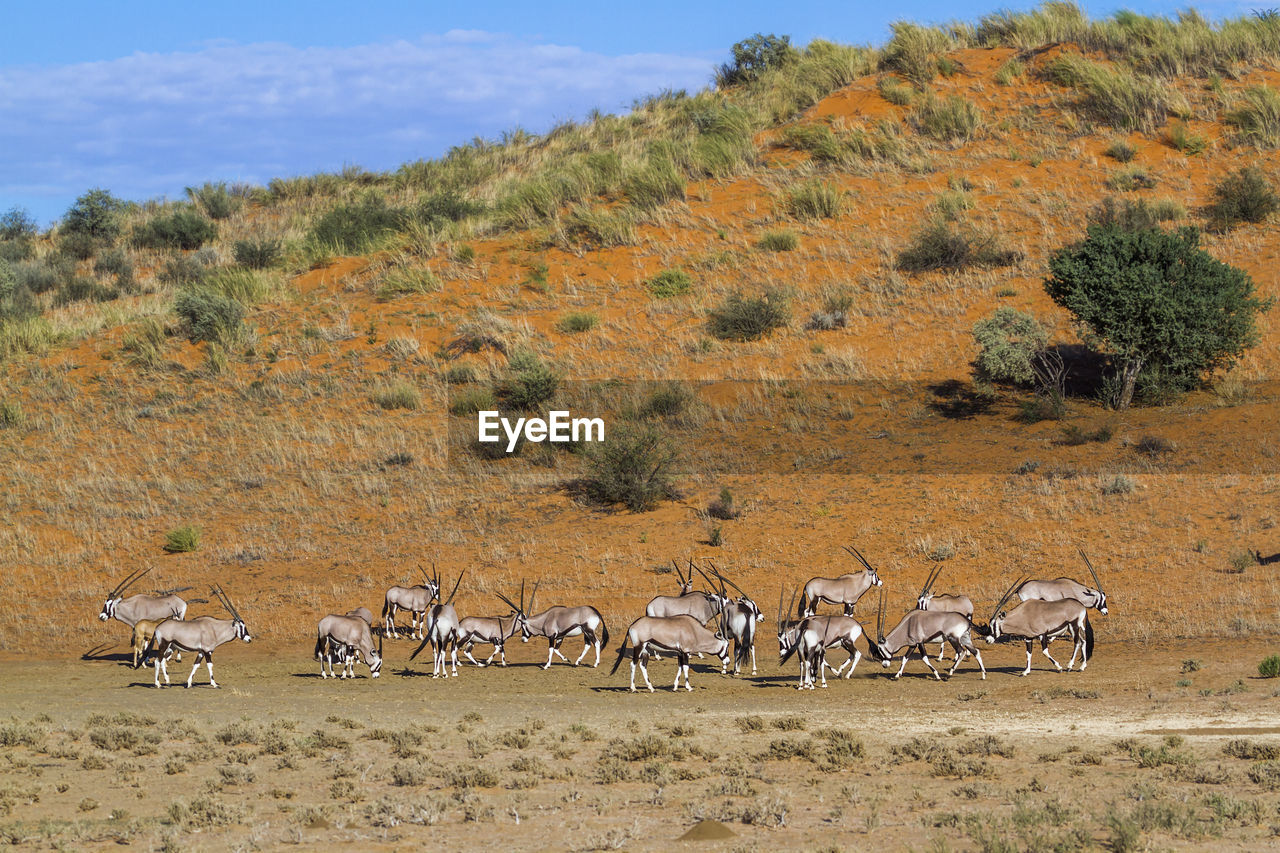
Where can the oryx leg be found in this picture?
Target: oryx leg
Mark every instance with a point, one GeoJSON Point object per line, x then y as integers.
{"type": "Point", "coordinates": [162, 665]}
{"type": "Point", "coordinates": [924, 656]}
{"type": "Point", "coordinates": [753, 658]}
{"type": "Point", "coordinates": [821, 656]}
{"type": "Point", "coordinates": [1044, 650]}
{"type": "Point", "coordinates": [942, 650]}
{"type": "Point", "coordinates": [553, 648]}
{"type": "Point", "coordinates": [586, 647]}
{"type": "Point", "coordinates": [454, 653]}
{"type": "Point", "coordinates": [644, 671]}
{"type": "Point", "coordinates": [1027, 671]}
{"type": "Point", "coordinates": [1078, 637]}
{"type": "Point", "coordinates": [389, 627]}
{"type": "Point", "coordinates": [905, 656]}
{"type": "Point", "coordinates": [853, 661]}
{"type": "Point", "coordinates": [466, 650]}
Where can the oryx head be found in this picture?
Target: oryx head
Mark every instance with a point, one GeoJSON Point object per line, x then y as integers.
{"type": "Point", "coordinates": [926, 594]}
{"type": "Point", "coordinates": [743, 600]}
{"type": "Point", "coordinates": [525, 631]}
{"type": "Point", "coordinates": [431, 582]}
{"type": "Point", "coordinates": [786, 634]}
{"type": "Point", "coordinates": [113, 597]}
{"type": "Point", "coordinates": [878, 649]}
{"type": "Point", "coordinates": [237, 624]}
{"type": "Point", "coordinates": [998, 614]}
{"type": "Point", "coordinates": [872, 575]}
{"type": "Point", "coordinates": [519, 619]}
{"type": "Point", "coordinates": [686, 581]}
{"type": "Point", "coordinates": [375, 660]}
{"type": "Point", "coordinates": [1099, 597]}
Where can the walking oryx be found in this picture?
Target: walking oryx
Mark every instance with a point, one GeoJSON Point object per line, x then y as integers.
{"type": "Point", "coordinates": [702, 606]}
{"type": "Point", "coordinates": [814, 636]}
{"type": "Point", "coordinates": [1044, 620]}
{"type": "Point", "coordinates": [680, 635]}
{"type": "Point", "coordinates": [415, 599]}
{"type": "Point", "coordinates": [1064, 588]}
{"type": "Point", "coordinates": [844, 590]}
{"type": "Point", "coordinates": [738, 621]}
{"type": "Point", "coordinates": [789, 634]}
{"type": "Point", "coordinates": [442, 631]}
{"type": "Point", "coordinates": [143, 632]}
{"type": "Point", "coordinates": [924, 626]}
{"type": "Point", "coordinates": [489, 629]}
{"type": "Point", "coordinates": [944, 603]}
{"type": "Point", "coordinates": [557, 623]}
{"type": "Point", "coordinates": [200, 635]}
{"type": "Point", "coordinates": [347, 638]}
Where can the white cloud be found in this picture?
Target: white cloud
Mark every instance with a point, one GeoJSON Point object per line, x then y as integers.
{"type": "Point", "coordinates": [145, 125]}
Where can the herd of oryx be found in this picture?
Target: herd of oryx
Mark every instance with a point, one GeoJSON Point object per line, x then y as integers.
{"type": "Point", "coordinates": [675, 625]}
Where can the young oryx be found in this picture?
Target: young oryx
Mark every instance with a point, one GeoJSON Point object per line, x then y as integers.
{"type": "Point", "coordinates": [442, 631]}
{"type": "Point", "coordinates": [415, 599]}
{"type": "Point", "coordinates": [844, 590]}
{"type": "Point", "coordinates": [1064, 588]}
{"type": "Point", "coordinates": [815, 635]}
{"type": "Point", "coordinates": [347, 637]}
{"type": "Point", "coordinates": [924, 626]}
{"type": "Point", "coordinates": [680, 635]}
{"type": "Point", "coordinates": [738, 622]}
{"type": "Point", "coordinates": [557, 623]}
{"type": "Point", "coordinates": [947, 603]}
{"type": "Point", "coordinates": [702, 606]}
{"type": "Point", "coordinates": [200, 635]}
{"type": "Point", "coordinates": [1044, 620]}
{"type": "Point", "coordinates": [143, 631]}
{"type": "Point", "coordinates": [789, 635]}
{"type": "Point", "coordinates": [489, 629]}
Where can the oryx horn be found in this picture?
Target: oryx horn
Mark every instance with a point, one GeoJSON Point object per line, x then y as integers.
{"type": "Point", "coordinates": [782, 590]}
{"type": "Point", "coordinates": [533, 595]}
{"type": "Point", "coordinates": [679, 574]}
{"type": "Point", "coordinates": [725, 579]}
{"type": "Point", "coordinates": [128, 582]}
{"type": "Point", "coordinates": [933, 578]}
{"type": "Point", "coordinates": [163, 593]}
{"type": "Point", "coordinates": [861, 559]}
{"type": "Point", "coordinates": [880, 619]}
{"type": "Point", "coordinates": [1008, 593]}
{"type": "Point", "coordinates": [455, 586]}
{"type": "Point", "coordinates": [1097, 583]}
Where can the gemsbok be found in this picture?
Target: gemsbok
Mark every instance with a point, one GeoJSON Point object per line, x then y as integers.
{"type": "Point", "coordinates": [918, 627]}
{"type": "Point", "coordinates": [557, 623]}
{"type": "Point", "coordinates": [442, 631]}
{"type": "Point", "coordinates": [679, 635]}
{"type": "Point", "coordinates": [143, 632]}
{"type": "Point", "coordinates": [943, 603]}
{"type": "Point", "coordinates": [739, 620]}
{"type": "Point", "coordinates": [1060, 589]}
{"type": "Point", "coordinates": [129, 610]}
{"type": "Point", "coordinates": [814, 636]}
{"type": "Point", "coordinates": [703, 606]}
{"type": "Point", "coordinates": [789, 634]}
{"type": "Point", "coordinates": [490, 630]}
{"type": "Point", "coordinates": [415, 599]}
{"type": "Point", "coordinates": [347, 638]}
{"type": "Point", "coordinates": [1044, 620]}
{"type": "Point", "coordinates": [844, 590]}
{"type": "Point", "coordinates": [200, 635]}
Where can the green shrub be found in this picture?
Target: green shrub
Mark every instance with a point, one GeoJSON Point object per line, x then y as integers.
{"type": "Point", "coordinates": [748, 318]}
{"type": "Point", "coordinates": [248, 287]}
{"type": "Point", "coordinates": [181, 229]}
{"type": "Point", "coordinates": [781, 240]}
{"type": "Point", "coordinates": [895, 92]}
{"type": "Point", "coordinates": [1257, 117]}
{"type": "Point", "coordinates": [1158, 302]}
{"type": "Point", "coordinates": [599, 228]}
{"type": "Point", "coordinates": [1245, 195]}
{"type": "Point", "coordinates": [256, 254]}
{"type": "Point", "coordinates": [633, 466]}
{"type": "Point", "coordinates": [16, 224]}
{"type": "Point", "coordinates": [81, 289]}
{"type": "Point", "coordinates": [913, 51]}
{"type": "Point", "coordinates": [1270, 667]}
{"type": "Point", "coordinates": [11, 414]}
{"type": "Point", "coordinates": [444, 207]}
{"type": "Point", "coordinates": [1187, 141]}
{"type": "Point", "coordinates": [943, 246]}
{"type": "Point", "coordinates": [77, 245]}
{"type": "Point", "coordinates": [655, 184]}
{"type": "Point", "coordinates": [185, 269]}
{"type": "Point", "coordinates": [1114, 96]}
{"type": "Point", "coordinates": [528, 384]}
{"type": "Point", "coordinates": [182, 539]}
{"type": "Point", "coordinates": [578, 321]}
{"type": "Point", "coordinates": [41, 276]}
{"type": "Point", "coordinates": [403, 282]}
{"type": "Point", "coordinates": [472, 400]}
{"type": "Point", "coordinates": [668, 400]}
{"type": "Point", "coordinates": [753, 56]}
{"type": "Point", "coordinates": [1128, 180]}
{"type": "Point", "coordinates": [954, 119]}
{"type": "Point", "coordinates": [1134, 214]}
{"type": "Point", "coordinates": [357, 227]}
{"type": "Point", "coordinates": [209, 315]}
{"type": "Point", "coordinates": [396, 395]}
{"type": "Point", "coordinates": [814, 200]}
{"type": "Point", "coordinates": [1010, 72]}
{"type": "Point", "coordinates": [97, 214]}
{"type": "Point", "coordinates": [669, 283]}
{"type": "Point", "coordinates": [1010, 343]}
{"type": "Point", "coordinates": [214, 199]}
{"type": "Point", "coordinates": [1120, 150]}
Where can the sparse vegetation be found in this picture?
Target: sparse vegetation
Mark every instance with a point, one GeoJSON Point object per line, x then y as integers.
{"type": "Point", "coordinates": [748, 318]}
{"type": "Point", "coordinates": [947, 246]}
{"type": "Point", "coordinates": [669, 283]}
{"type": "Point", "coordinates": [182, 539]}
{"type": "Point", "coordinates": [634, 466]}
{"type": "Point", "coordinates": [779, 240]}
{"type": "Point", "coordinates": [1245, 195]}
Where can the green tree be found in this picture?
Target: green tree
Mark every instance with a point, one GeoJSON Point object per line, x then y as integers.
{"type": "Point", "coordinates": [754, 56]}
{"type": "Point", "coordinates": [1157, 302]}
{"type": "Point", "coordinates": [96, 214]}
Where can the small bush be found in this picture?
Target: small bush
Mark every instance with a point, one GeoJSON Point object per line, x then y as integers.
{"type": "Point", "coordinates": [914, 50]}
{"type": "Point", "coordinates": [397, 395]}
{"type": "Point", "coordinates": [1120, 484]}
{"type": "Point", "coordinates": [634, 466]}
{"type": "Point", "coordinates": [529, 383]}
{"type": "Point", "coordinates": [182, 229]}
{"type": "Point", "coordinates": [1120, 150]}
{"type": "Point", "coordinates": [942, 246]}
{"type": "Point", "coordinates": [669, 283]}
{"type": "Point", "coordinates": [1010, 343]}
{"type": "Point", "coordinates": [954, 119]}
{"type": "Point", "coordinates": [782, 240]}
{"type": "Point", "coordinates": [754, 56]}
{"type": "Point", "coordinates": [77, 246]}
{"type": "Point", "coordinates": [1135, 214]}
{"type": "Point", "coordinates": [748, 318]}
{"type": "Point", "coordinates": [578, 321]}
{"type": "Point", "coordinates": [209, 315]}
{"type": "Point", "coordinates": [1243, 196]}
{"type": "Point", "coordinates": [185, 269]}
{"type": "Point", "coordinates": [1257, 116]}
{"type": "Point", "coordinates": [895, 91]}
{"type": "Point", "coordinates": [97, 214]}
{"type": "Point", "coordinates": [404, 282]}
{"type": "Point", "coordinates": [16, 224]}
{"type": "Point", "coordinates": [472, 400]}
{"type": "Point", "coordinates": [256, 254]}
{"type": "Point", "coordinates": [248, 287]}
{"type": "Point", "coordinates": [182, 540]}
{"type": "Point", "coordinates": [11, 414]}
{"type": "Point", "coordinates": [1128, 180]}
{"type": "Point", "coordinates": [214, 199]}
{"type": "Point", "coordinates": [654, 185]}
{"type": "Point", "coordinates": [1186, 140]}
{"type": "Point", "coordinates": [1010, 73]}
{"type": "Point", "coordinates": [1270, 667]}
{"type": "Point", "coordinates": [357, 227]}
{"type": "Point", "coordinates": [723, 507]}
{"type": "Point", "coordinates": [814, 200]}
{"type": "Point", "coordinates": [667, 401]}
{"type": "Point", "coordinates": [599, 228]}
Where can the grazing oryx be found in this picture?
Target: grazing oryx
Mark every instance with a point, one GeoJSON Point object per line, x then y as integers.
{"type": "Point", "coordinates": [738, 622]}
{"type": "Point", "coordinates": [1044, 620]}
{"type": "Point", "coordinates": [347, 638]}
{"type": "Point", "coordinates": [1066, 588]}
{"type": "Point", "coordinates": [489, 629]}
{"type": "Point", "coordinates": [924, 626]}
{"type": "Point", "coordinates": [845, 590]}
{"type": "Point", "coordinates": [703, 606]}
{"type": "Point", "coordinates": [943, 603]}
{"type": "Point", "coordinates": [681, 635]}
{"type": "Point", "coordinates": [415, 599]}
{"type": "Point", "coordinates": [557, 623]}
{"type": "Point", "coordinates": [200, 635]}
{"type": "Point", "coordinates": [814, 636]}
{"type": "Point", "coordinates": [789, 635]}
{"type": "Point", "coordinates": [442, 631]}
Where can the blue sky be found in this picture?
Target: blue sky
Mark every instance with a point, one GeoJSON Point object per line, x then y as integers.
{"type": "Point", "coordinates": [145, 98]}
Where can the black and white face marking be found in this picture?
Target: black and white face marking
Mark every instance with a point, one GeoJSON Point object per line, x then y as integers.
{"type": "Point", "coordinates": [242, 633]}
{"type": "Point", "coordinates": [1102, 602]}
{"type": "Point", "coordinates": [108, 609]}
